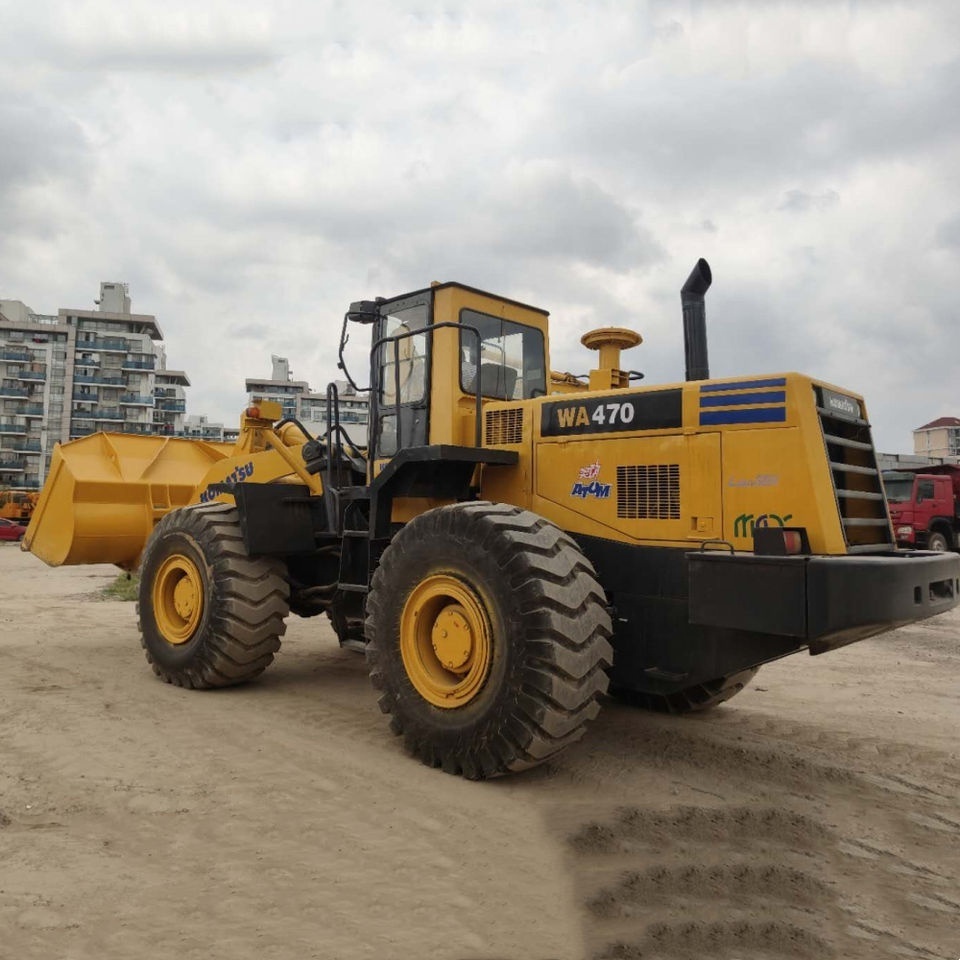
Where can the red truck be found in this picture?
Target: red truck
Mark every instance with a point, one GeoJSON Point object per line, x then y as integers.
{"type": "Point", "coordinates": [925, 506]}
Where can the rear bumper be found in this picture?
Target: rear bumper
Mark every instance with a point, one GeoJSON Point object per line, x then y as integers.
{"type": "Point", "coordinates": [826, 602]}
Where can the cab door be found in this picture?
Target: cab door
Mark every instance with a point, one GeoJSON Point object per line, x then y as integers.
{"type": "Point", "coordinates": [401, 373]}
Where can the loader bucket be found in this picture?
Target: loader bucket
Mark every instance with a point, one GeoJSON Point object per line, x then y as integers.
{"type": "Point", "coordinates": [105, 492]}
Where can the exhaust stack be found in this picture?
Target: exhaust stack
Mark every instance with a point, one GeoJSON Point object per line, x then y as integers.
{"type": "Point", "coordinates": [695, 321]}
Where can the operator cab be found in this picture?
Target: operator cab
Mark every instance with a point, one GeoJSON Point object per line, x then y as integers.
{"type": "Point", "coordinates": [439, 354]}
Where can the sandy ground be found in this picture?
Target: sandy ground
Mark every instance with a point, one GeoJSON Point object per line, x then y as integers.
{"type": "Point", "coordinates": [816, 815]}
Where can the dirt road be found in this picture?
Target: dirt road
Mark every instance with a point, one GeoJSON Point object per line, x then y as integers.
{"type": "Point", "coordinates": [816, 815]}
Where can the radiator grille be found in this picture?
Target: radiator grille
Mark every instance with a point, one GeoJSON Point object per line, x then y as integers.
{"type": "Point", "coordinates": [504, 426]}
{"type": "Point", "coordinates": [649, 492]}
{"type": "Point", "coordinates": [853, 469]}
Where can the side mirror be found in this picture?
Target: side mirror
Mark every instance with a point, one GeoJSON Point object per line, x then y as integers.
{"type": "Point", "coordinates": [364, 311]}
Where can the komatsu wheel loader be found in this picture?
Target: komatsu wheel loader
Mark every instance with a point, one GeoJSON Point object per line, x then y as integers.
{"type": "Point", "coordinates": [507, 542]}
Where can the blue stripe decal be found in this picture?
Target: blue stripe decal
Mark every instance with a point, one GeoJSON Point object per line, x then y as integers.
{"type": "Point", "coordinates": [744, 385]}
{"type": "Point", "coordinates": [763, 415]}
{"type": "Point", "coordinates": [742, 399]}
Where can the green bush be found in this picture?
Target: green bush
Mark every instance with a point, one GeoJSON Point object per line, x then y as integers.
{"type": "Point", "coordinates": [125, 587]}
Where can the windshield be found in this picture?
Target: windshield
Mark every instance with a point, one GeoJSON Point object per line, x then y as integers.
{"type": "Point", "coordinates": [899, 488]}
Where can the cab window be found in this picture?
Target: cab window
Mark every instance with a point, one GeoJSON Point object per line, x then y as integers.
{"type": "Point", "coordinates": [511, 362]}
{"type": "Point", "coordinates": [403, 361]}
{"type": "Point", "coordinates": [402, 376]}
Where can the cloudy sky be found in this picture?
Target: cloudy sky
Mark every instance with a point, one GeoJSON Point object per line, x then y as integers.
{"type": "Point", "coordinates": [249, 168]}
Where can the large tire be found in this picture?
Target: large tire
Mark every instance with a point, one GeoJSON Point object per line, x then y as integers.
{"type": "Point", "coordinates": [488, 635]}
{"type": "Point", "coordinates": [938, 541]}
{"type": "Point", "coordinates": [209, 614]}
{"type": "Point", "coordinates": [694, 699]}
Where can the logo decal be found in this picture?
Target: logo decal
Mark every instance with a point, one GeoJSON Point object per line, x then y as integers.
{"type": "Point", "coordinates": [760, 480]}
{"type": "Point", "coordinates": [647, 410]}
{"type": "Point", "coordinates": [588, 483]}
{"type": "Point", "coordinates": [840, 404]}
{"type": "Point", "coordinates": [239, 474]}
{"type": "Point", "coordinates": [744, 524]}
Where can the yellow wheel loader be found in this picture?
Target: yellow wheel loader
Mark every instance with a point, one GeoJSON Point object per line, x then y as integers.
{"type": "Point", "coordinates": [508, 541]}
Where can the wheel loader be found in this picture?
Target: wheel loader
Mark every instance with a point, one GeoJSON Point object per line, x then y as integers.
{"type": "Point", "coordinates": [17, 505]}
{"type": "Point", "coordinates": [508, 542]}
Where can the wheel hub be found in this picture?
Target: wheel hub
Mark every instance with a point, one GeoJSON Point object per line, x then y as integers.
{"type": "Point", "coordinates": [452, 638]}
{"type": "Point", "coordinates": [177, 595]}
{"type": "Point", "coordinates": [445, 641]}
{"type": "Point", "coordinates": [185, 598]}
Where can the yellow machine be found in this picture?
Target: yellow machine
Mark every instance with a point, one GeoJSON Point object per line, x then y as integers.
{"type": "Point", "coordinates": [17, 504]}
{"type": "Point", "coordinates": [508, 541]}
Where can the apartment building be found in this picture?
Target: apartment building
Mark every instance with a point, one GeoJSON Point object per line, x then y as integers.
{"type": "Point", "coordinates": [81, 371]}
{"type": "Point", "coordinates": [354, 411]}
{"type": "Point", "coordinates": [297, 400]}
{"type": "Point", "coordinates": [114, 364]}
{"type": "Point", "coordinates": [36, 356]}
{"type": "Point", "coordinates": [199, 427]}
{"type": "Point", "coordinates": [938, 438]}
{"type": "Point", "coordinates": [279, 386]}
{"type": "Point", "coordinates": [170, 401]}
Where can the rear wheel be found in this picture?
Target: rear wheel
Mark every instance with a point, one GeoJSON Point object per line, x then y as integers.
{"type": "Point", "coordinates": [209, 614]}
{"type": "Point", "coordinates": [488, 635]}
{"type": "Point", "coordinates": [938, 541]}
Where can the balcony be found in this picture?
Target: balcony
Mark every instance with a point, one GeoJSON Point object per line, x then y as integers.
{"type": "Point", "coordinates": [108, 344]}
{"type": "Point", "coordinates": [141, 428]}
{"type": "Point", "coordinates": [31, 410]}
{"type": "Point", "coordinates": [26, 446]}
{"type": "Point", "coordinates": [134, 400]}
{"type": "Point", "coordinates": [8, 390]}
{"type": "Point", "coordinates": [172, 406]}
{"type": "Point", "coordinates": [106, 413]}
{"type": "Point", "coordinates": [98, 379]}
{"type": "Point", "coordinates": [8, 353]}
{"type": "Point", "coordinates": [143, 363]}
{"type": "Point", "coordinates": [12, 466]}
{"type": "Point", "coordinates": [32, 375]}
{"type": "Point", "coordinates": [14, 427]}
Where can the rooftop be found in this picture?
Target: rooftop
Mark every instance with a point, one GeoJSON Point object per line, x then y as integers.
{"type": "Point", "coordinates": [941, 422]}
{"type": "Point", "coordinates": [145, 320]}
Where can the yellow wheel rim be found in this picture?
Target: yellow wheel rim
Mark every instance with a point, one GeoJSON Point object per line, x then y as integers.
{"type": "Point", "coordinates": [177, 596]}
{"type": "Point", "coordinates": [445, 641]}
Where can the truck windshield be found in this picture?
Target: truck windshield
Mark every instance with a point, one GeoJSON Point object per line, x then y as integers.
{"type": "Point", "coordinates": [899, 488]}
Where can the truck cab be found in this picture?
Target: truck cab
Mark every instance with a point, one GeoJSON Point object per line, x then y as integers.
{"type": "Point", "coordinates": [923, 508]}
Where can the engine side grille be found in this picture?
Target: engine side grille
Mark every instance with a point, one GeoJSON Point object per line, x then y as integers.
{"type": "Point", "coordinates": [855, 474]}
{"type": "Point", "coordinates": [649, 492]}
{"type": "Point", "coordinates": [504, 426]}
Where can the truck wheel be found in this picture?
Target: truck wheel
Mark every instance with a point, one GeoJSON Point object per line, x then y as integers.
{"type": "Point", "coordinates": [209, 614]}
{"type": "Point", "coordinates": [700, 696]}
{"type": "Point", "coordinates": [488, 635]}
{"type": "Point", "coordinates": [938, 542]}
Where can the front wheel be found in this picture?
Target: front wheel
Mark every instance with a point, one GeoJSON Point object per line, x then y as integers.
{"type": "Point", "coordinates": [938, 542]}
{"type": "Point", "coordinates": [488, 635]}
{"type": "Point", "coordinates": [210, 615]}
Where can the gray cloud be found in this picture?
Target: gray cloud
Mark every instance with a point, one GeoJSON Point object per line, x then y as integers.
{"type": "Point", "coordinates": [948, 232]}
{"type": "Point", "coordinates": [799, 201]}
{"type": "Point", "coordinates": [39, 141]}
